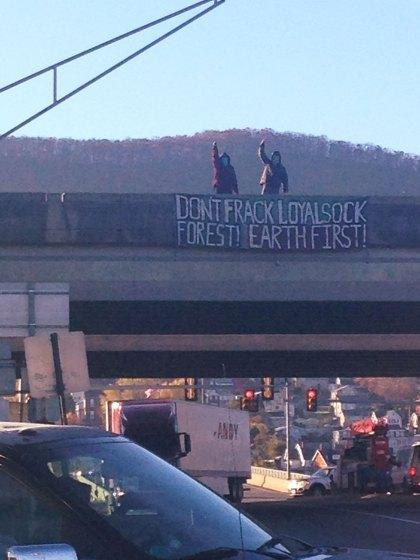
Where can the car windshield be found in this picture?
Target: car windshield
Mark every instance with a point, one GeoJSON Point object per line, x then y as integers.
{"type": "Point", "coordinates": [158, 509]}
{"type": "Point", "coordinates": [404, 455]}
{"type": "Point", "coordinates": [322, 472]}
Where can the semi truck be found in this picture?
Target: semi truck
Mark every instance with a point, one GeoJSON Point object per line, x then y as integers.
{"type": "Point", "coordinates": [210, 443]}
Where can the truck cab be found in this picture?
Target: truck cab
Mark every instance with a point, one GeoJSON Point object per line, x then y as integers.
{"type": "Point", "coordinates": [150, 424]}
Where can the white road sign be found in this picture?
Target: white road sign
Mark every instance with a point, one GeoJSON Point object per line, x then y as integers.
{"type": "Point", "coordinates": [40, 364]}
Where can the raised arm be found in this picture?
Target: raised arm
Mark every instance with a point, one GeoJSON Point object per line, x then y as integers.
{"type": "Point", "coordinates": [215, 157]}
{"type": "Point", "coordinates": [262, 154]}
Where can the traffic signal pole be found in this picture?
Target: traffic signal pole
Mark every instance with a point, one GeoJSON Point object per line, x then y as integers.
{"type": "Point", "coordinates": [287, 415]}
{"type": "Point", "coordinates": [54, 67]}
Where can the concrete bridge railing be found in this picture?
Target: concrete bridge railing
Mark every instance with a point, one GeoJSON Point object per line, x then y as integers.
{"type": "Point", "coordinates": [221, 222]}
{"type": "Point", "coordinates": [273, 479]}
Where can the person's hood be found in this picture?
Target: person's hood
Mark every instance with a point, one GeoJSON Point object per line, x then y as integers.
{"type": "Point", "coordinates": [227, 156]}
{"type": "Point", "coordinates": [276, 153]}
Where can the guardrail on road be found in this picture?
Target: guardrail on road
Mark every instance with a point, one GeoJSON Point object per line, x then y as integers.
{"type": "Point", "coordinates": [273, 479]}
{"type": "Point", "coordinates": [277, 473]}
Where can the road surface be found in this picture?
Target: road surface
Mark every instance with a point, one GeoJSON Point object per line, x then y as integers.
{"type": "Point", "coordinates": [382, 522]}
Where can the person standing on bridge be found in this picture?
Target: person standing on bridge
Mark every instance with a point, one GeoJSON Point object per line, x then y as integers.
{"type": "Point", "coordinates": [224, 181]}
{"type": "Point", "coordinates": [274, 177]}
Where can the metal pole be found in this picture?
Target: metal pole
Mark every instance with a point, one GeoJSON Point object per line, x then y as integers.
{"type": "Point", "coordinates": [55, 84]}
{"type": "Point", "coordinates": [59, 378]}
{"type": "Point", "coordinates": [19, 389]}
{"type": "Point", "coordinates": [85, 52]}
{"type": "Point", "coordinates": [287, 415]}
{"type": "Point", "coordinates": [105, 72]}
{"type": "Point", "coordinates": [33, 408]}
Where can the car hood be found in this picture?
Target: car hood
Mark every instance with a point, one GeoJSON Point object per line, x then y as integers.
{"type": "Point", "coordinates": [364, 554]}
{"type": "Point", "coordinates": [340, 554]}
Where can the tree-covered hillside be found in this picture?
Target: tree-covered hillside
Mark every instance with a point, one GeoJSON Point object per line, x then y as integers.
{"type": "Point", "coordinates": [316, 165]}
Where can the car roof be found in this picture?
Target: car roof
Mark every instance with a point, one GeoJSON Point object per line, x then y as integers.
{"type": "Point", "coordinates": [16, 433]}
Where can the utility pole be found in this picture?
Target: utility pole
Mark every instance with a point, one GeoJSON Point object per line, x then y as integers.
{"type": "Point", "coordinates": [287, 415]}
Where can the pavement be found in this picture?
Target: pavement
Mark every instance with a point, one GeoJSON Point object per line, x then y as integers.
{"type": "Point", "coordinates": [377, 522]}
{"type": "Point", "coordinates": [255, 494]}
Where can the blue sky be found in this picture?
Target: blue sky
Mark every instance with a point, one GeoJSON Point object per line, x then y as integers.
{"type": "Point", "coordinates": [347, 69]}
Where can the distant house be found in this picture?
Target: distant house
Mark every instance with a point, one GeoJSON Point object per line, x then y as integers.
{"type": "Point", "coordinates": [319, 460]}
{"type": "Point", "coordinates": [352, 402]}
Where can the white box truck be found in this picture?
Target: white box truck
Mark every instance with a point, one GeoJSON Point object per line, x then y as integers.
{"type": "Point", "coordinates": [210, 443]}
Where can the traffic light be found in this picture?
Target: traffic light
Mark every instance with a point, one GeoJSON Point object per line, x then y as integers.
{"type": "Point", "coordinates": [267, 388]}
{"type": "Point", "coordinates": [311, 399]}
{"type": "Point", "coordinates": [249, 401]}
{"type": "Point", "coordinates": [191, 391]}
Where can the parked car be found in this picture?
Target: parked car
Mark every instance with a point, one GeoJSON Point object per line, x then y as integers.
{"type": "Point", "coordinates": [413, 471]}
{"type": "Point", "coordinates": [75, 492]}
{"type": "Point", "coordinates": [399, 472]}
{"type": "Point", "coordinates": [319, 483]}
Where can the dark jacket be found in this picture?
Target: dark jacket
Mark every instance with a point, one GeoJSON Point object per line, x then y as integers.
{"type": "Point", "coordinates": [274, 178]}
{"type": "Point", "coordinates": [225, 181]}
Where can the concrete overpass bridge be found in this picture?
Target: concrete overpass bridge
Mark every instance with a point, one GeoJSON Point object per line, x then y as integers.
{"type": "Point", "coordinates": [177, 285]}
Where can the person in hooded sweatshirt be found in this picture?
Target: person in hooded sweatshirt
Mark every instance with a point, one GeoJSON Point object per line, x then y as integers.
{"type": "Point", "coordinates": [274, 179]}
{"type": "Point", "coordinates": [225, 181]}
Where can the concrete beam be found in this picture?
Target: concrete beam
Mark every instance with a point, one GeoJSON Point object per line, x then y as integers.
{"type": "Point", "coordinates": [253, 343]}
{"type": "Point", "coordinates": [162, 274]}
{"type": "Point", "coordinates": [248, 343]}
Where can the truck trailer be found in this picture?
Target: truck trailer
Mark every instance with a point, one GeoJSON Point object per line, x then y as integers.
{"type": "Point", "coordinates": [210, 443]}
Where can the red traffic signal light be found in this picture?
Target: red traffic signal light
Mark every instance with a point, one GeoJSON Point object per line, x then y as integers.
{"type": "Point", "coordinates": [412, 471]}
{"type": "Point", "coordinates": [249, 394]}
{"type": "Point", "coordinates": [249, 402]}
{"type": "Point", "coordinates": [267, 388]}
{"type": "Point", "coordinates": [311, 399]}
